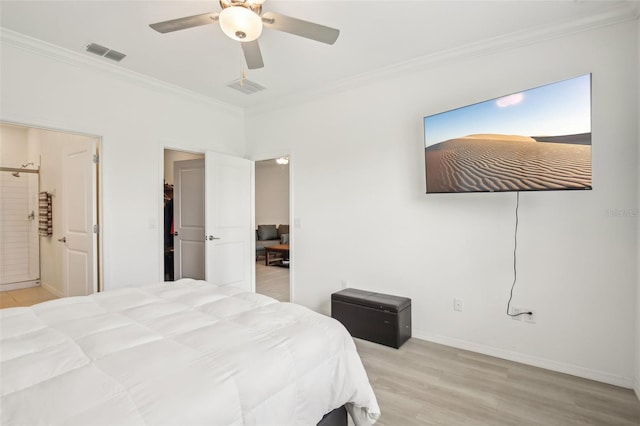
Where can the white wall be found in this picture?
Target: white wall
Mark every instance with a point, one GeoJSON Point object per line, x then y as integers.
{"type": "Point", "coordinates": [50, 87]}
{"type": "Point", "coordinates": [272, 193]}
{"type": "Point", "coordinates": [364, 216]}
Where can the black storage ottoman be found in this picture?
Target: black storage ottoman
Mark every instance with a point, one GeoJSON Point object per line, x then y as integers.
{"type": "Point", "coordinates": [377, 317]}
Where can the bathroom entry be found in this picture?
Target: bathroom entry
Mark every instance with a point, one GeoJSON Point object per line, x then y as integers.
{"type": "Point", "coordinates": [49, 214]}
{"type": "Point", "coordinates": [184, 215]}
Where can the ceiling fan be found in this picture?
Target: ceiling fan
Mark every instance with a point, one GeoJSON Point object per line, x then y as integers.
{"type": "Point", "coordinates": [242, 20]}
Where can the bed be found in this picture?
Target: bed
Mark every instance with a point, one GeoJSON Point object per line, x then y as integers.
{"type": "Point", "coordinates": [183, 353]}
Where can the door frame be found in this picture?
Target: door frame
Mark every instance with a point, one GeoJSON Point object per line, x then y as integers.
{"type": "Point", "coordinates": [292, 219]}
{"type": "Point", "coordinates": [160, 198]}
{"type": "Point", "coordinates": [98, 274]}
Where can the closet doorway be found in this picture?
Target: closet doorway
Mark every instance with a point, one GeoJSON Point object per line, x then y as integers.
{"type": "Point", "coordinates": [184, 215]}
{"type": "Point", "coordinates": [272, 218]}
{"type": "Point", "coordinates": [49, 212]}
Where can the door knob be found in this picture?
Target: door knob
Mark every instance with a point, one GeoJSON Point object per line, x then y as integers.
{"type": "Point", "coordinates": [211, 237]}
{"type": "Point", "coordinates": [175, 234]}
{"type": "Point", "coordinates": [63, 239]}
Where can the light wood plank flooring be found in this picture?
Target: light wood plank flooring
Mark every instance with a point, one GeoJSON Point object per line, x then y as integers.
{"type": "Point", "coordinates": [424, 383]}
{"type": "Point", "coordinates": [272, 281]}
{"type": "Point", "coordinates": [24, 297]}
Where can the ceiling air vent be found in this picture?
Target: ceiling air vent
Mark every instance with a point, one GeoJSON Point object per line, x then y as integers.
{"type": "Point", "coordinates": [105, 52]}
{"type": "Point", "coordinates": [245, 86]}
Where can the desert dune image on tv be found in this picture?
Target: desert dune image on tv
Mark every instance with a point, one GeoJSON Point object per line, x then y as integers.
{"type": "Point", "coordinates": [535, 140]}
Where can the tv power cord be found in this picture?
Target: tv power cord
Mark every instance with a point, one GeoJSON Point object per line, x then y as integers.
{"type": "Point", "coordinates": [515, 269]}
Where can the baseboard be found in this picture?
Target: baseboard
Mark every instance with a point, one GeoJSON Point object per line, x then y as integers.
{"type": "Point", "coordinates": [574, 370]}
{"type": "Point", "coordinates": [52, 290]}
{"type": "Point", "coordinates": [636, 387]}
{"type": "Point", "coordinates": [19, 285]}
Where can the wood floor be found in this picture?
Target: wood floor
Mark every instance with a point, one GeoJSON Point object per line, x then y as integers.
{"type": "Point", "coordinates": [272, 281]}
{"type": "Point", "coordinates": [24, 297]}
{"type": "Point", "coordinates": [425, 383]}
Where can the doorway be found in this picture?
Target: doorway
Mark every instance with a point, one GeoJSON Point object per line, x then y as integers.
{"type": "Point", "coordinates": [227, 206]}
{"type": "Point", "coordinates": [272, 220]}
{"type": "Point", "coordinates": [184, 215]}
{"type": "Point", "coordinates": [49, 222]}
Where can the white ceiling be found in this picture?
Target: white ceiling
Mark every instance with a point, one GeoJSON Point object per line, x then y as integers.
{"type": "Point", "coordinates": [374, 35]}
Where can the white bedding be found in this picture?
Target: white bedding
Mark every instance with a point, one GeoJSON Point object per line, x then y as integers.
{"type": "Point", "coordinates": [184, 353]}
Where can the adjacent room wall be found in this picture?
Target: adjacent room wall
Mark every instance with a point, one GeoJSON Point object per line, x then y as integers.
{"type": "Point", "coordinates": [363, 216]}
{"type": "Point", "coordinates": [272, 193]}
{"type": "Point", "coordinates": [13, 146]}
{"type": "Point", "coordinates": [136, 118]}
{"type": "Point", "coordinates": [170, 157]}
{"type": "Point", "coordinates": [637, 377]}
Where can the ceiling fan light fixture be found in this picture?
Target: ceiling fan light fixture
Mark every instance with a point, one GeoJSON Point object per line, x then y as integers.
{"type": "Point", "coordinates": [240, 23]}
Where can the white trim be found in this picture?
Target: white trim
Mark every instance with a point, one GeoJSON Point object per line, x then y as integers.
{"type": "Point", "coordinates": [636, 388]}
{"type": "Point", "coordinates": [160, 200]}
{"type": "Point", "coordinates": [574, 370]}
{"type": "Point", "coordinates": [52, 290]}
{"type": "Point", "coordinates": [19, 285]}
{"type": "Point", "coordinates": [292, 231]}
{"type": "Point", "coordinates": [617, 13]}
{"type": "Point", "coordinates": [268, 155]}
{"type": "Point", "coordinates": [252, 238]}
{"type": "Point", "coordinates": [51, 51]}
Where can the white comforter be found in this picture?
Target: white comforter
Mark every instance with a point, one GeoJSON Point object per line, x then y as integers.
{"type": "Point", "coordinates": [184, 353]}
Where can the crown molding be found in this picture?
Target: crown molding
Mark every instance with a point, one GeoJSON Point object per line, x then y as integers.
{"type": "Point", "coordinates": [617, 13]}
{"type": "Point", "coordinates": [57, 53]}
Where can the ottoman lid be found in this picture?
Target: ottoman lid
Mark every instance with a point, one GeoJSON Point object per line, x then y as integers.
{"type": "Point", "coordinates": [370, 299]}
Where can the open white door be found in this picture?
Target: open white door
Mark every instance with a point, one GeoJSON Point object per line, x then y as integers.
{"type": "Point", "coordinates": [230, 246]}
{"type": "Point", "coordinates": [188, 219]}
{"type": "Point", "coordinates": [79, 252]}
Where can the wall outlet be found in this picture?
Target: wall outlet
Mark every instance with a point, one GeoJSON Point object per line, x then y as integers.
{"type": "Point", "coordinates": [530, 318]}
{"type": "Point", "coordinates": [457, 305]}
{"type": "Point", "coordinates": [515, 311]}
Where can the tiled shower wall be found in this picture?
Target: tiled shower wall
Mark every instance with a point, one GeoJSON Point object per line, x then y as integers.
{"type": "Point", "coordinates": [19, 241]}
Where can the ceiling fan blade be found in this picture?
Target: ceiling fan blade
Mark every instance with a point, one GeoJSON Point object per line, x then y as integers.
{"type": "Point", "coordinates": [252, 54]}
{"type": "Point", "coordinates": [300, 28]}
{"type": "Point", "coordinates": [184, 23]}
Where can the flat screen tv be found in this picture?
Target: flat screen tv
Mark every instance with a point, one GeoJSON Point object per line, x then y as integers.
{"type": "Point", "coordinates": [535, 140]}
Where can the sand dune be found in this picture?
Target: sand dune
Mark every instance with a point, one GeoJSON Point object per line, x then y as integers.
{"type": "Point", "coordinates": [497, 137]}
{"type": "Point", "coordinates": [580, 138]}
{"type": "Point", "coordinates": [506, 164]}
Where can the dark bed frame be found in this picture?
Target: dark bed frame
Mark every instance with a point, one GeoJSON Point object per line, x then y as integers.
{"type": "Point", "coordinates": [337, 417]}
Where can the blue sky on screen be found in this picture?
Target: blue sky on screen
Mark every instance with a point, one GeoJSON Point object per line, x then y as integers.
{"type": "Point", "coordinates": [562, 108]}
